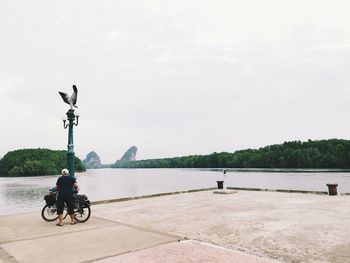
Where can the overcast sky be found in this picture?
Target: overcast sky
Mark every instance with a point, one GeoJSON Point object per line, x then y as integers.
{"type": "Point", "coordinates": [174, 77]}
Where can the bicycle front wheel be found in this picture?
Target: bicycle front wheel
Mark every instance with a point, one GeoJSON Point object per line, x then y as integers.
{"type": "Point", "coordinates": [82, 214]}
{"type": "Point", "coordinates": [49, 213]}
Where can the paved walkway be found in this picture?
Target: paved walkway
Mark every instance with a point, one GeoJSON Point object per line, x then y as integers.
{"type": "Point", "coordinates": [195, 227]}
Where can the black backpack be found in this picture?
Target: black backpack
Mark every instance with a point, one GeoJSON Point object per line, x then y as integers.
{"type": "Point", "coordinates": [50, 199]}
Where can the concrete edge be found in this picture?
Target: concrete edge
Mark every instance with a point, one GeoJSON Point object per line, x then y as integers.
{"type": "Point", "coordinates": [128, 252]}
{"type": "Point", "coordinates": [237, 249]}
{"type": "Point", "coordinates": [224, 192]}
{"type": "Point", "coordinates": [123, 199]}
{"type": "Point", "coordinates": [51, 235]}
{"type": "Point", "coordinates": [279, 190]}
{"type": "Point", "coordinates": [177, 237]}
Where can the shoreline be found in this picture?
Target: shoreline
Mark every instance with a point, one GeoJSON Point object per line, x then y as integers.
{"type": "Point", "coordinates": [243, 170]}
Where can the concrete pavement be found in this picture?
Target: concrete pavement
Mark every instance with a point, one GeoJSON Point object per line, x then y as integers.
{"type": "Point", "coordinates": [193, 227]}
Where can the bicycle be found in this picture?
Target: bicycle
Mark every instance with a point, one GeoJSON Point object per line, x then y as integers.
{"type": "Point", "coordinates": [82, 210]}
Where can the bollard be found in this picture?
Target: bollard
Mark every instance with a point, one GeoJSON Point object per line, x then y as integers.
{"type": "Point", "coordinates": [332, 189]}
{"type": "Point", "coordinates": [220, 184]}
{"type": "Point", "coordinates": [223, 178]}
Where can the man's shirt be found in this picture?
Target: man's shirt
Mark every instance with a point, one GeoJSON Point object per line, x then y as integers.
{"type": "Point", "coordinates": [65, 185]}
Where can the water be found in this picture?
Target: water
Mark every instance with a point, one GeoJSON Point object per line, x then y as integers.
{"type": "Point", "coordinates": [19, 195]}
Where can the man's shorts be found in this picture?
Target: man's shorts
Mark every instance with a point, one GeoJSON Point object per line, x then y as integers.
{"type": "Point", "coordinates": [69, 202]}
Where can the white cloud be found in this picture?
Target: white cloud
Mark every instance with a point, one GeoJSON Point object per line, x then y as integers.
{"type": "Point", "coordinates": [175, 77]}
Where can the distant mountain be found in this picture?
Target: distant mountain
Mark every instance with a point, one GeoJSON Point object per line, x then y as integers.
{"type": "Point", "coordinates": [129, 155]}
{"type": "Point", "coordinates": [92, 161]}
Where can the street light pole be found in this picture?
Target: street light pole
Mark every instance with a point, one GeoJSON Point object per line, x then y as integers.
{"type": "Point", "coordinates": [73, 119]}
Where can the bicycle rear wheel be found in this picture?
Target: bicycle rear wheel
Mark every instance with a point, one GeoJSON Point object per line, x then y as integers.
{"type": "Point", "coordinates": [82, 214]}
{"type": "Point", "coordinates": [49, 213]}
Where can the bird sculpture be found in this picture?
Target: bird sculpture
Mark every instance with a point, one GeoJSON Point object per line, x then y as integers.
{"type": "Point", "coordinates": [71, 100]}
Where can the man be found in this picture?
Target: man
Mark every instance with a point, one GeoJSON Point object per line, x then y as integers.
{"type": "Point", "coordinates": [65, 195]}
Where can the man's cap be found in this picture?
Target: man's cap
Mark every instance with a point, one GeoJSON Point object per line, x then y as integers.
{"type": "Point", "coordinates": [64, 171]}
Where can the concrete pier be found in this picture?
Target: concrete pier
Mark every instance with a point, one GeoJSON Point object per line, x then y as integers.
{"type": "Point", "coordinates": [249, 226]}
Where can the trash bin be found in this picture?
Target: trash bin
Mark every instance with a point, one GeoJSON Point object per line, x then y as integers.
{"type": "Point", "coordinates": [332, 189]}
{"type": "Point", "coordinates": [220, 184]}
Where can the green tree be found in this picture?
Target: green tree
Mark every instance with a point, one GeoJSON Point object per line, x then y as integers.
{"type": "Point", "coordinates": [35, 162]}
{"type": "Point", "coordinates": [333, 153]}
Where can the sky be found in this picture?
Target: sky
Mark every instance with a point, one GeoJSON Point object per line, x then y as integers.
{"type": "Point", "coordinates": [173, 78]}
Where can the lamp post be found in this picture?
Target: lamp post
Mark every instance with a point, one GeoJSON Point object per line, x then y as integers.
{"type": "Point", "coordinates": [73, 120]}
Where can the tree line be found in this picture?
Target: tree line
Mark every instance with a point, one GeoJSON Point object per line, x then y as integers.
{"type": "Point", "coordinates": [35, 162]}
{"type": "Point", "coordinates": [333, 153]}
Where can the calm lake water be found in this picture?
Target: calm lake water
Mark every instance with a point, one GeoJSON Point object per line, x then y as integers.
{"type": "Point", "coordinates": [19, 195]}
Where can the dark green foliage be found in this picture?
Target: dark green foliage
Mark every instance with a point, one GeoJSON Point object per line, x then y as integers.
{"type": "Point", "coordinates": [35, 162]}
{"type": "Point", "coordinates": [334, 153]}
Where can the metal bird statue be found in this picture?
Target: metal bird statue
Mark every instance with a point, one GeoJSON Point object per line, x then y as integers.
{"type": "Point", "coordinates": [71, 100]}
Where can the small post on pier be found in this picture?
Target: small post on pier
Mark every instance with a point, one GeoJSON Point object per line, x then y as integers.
{"type": "Point", "coordinates": [223, 178]}
{"type": "Point", "coordinates": [222, 188]}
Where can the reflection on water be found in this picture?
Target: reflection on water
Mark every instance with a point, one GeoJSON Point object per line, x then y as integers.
{"type": "Point", "coordinates": [17, 191]}
{"type": "Point", "coordinates": [26, 194]}
{"type": "Point", "coordinates": [21, 194]}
